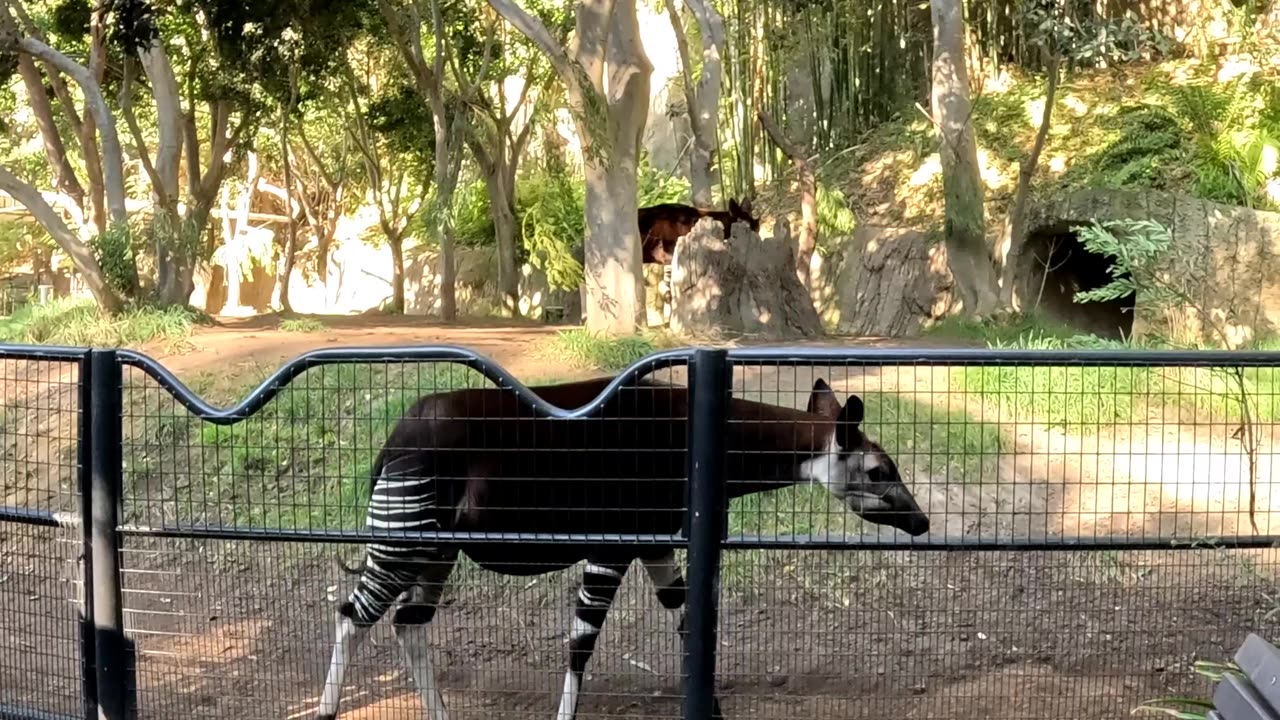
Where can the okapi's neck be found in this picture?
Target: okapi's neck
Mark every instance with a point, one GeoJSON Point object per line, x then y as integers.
{"type": "Point", "coordinates": [767, 445]}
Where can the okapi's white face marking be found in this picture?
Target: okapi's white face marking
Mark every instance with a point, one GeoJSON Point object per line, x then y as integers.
{"type": "Point", "coordinates": [858, 471]}
{"type": "Point", "coordinates": [846, 475]}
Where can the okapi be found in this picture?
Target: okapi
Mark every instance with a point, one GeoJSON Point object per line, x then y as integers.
{"type": "Point", "coordinates": [477, 460]}
{"type": "Point", "coordinates": [662, 225]}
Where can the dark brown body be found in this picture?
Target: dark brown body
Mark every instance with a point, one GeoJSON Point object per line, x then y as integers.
{"type": "Point", "coordinates": [662, 225]}
{"type": "Point", "coordinates": [499, 469]}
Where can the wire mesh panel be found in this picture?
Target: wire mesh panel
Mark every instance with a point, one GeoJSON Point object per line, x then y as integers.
{"type": "Point", "coordinates": [39, 573]}
{"type": "Point", "coordinates": [231, 622]}
{"type": "Point", "coordinates": [1125, 459]}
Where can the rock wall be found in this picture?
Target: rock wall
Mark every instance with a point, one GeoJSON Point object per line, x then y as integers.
{"type": "Point", "coordinates": [1225, 257]}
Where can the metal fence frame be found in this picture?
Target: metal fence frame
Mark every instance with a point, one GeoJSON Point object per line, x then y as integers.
{"type": "Point", "coordinates": [108, 656]}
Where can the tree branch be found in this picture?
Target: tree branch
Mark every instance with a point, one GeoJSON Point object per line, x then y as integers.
{"type": "Point", "coordinates": [80, 254]}
{"type": "Point", "coordinates": [533, 29]}
{"type": "Point", "coordinates": [114, 159]}
{"type": "Point", "coordinates": [140, 143]}
{"type": "Point", "coordinates": [55, 151]}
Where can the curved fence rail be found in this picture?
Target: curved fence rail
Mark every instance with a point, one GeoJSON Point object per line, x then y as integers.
{"type": "Point", "coordinates": [163, 541]}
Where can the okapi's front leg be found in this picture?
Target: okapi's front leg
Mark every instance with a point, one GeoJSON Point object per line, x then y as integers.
{"type": "Point", "coordinates": [600, 583]}
{"type": "Point", "coordinates": [672, 593]}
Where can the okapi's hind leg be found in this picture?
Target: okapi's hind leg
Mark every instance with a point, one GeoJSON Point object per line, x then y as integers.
{"type": "Point", "coordinates": [412, 623]}
{"type": "Point", "coordinates": [669, 583]}
{"type": "Point", "coordinates": [600, 583]}
{"type": "Point", "coordinates": [388, 573]}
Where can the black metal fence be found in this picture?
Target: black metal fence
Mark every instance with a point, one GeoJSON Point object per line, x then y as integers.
{"type": "Point", "coordinates": [1098, 522]}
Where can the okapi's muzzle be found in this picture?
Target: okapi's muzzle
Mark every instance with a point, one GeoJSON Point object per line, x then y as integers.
{"type": "Point", "coordinates": [897, 509]}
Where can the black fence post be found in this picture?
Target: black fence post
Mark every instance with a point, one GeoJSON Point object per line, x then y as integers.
{"type": "Point", "coordinates": [709, 388]}
{"type": "Point", "coordinates": [116, 687]}
{"type": "Point", "coordinates": [84, 480]}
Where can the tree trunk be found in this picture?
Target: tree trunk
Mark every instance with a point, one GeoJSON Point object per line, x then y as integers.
{"type": "Point", "coordinates": [808, 196]}
{"type": "Point", "coordinates": [702, 97]}
{"type": "Point", "coordinates": [396, 241]}
{"type": "Point", "coordinates": [610, 120]}
{"type": "Point", "coordinates": [81, 256]}
{"type": "Point", "coordinates": [1016, 227]}
{"type": "Point", "coordinates": [614, 284]}
{"type": "Point", "coordinates": [964, 222]}
{"type": "Point", "coordinates": [502, 208]}
{"type": "Point", "coordinates": [291, 239]}
{"type": "Point", "coordinates": [169, 120]}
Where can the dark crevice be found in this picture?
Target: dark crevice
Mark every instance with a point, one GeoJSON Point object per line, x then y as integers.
{"type": "Point", "coordinates": [1057, 266]}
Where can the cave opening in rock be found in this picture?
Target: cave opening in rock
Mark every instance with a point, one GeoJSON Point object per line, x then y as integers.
{"type": "Point", "coordinates": [1057, 266]}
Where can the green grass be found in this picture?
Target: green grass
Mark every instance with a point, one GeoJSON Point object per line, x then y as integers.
{"type": "Point", "coordinates": [302, 325]}
{"type": "Point", "coordinates": [301, 462]}
{"type": "Point", "coordinates": [80, 322]}
{"type": "Point", "coordinates": [1087, 399]}
{"type": "Point", "coordinates": [582, 349]}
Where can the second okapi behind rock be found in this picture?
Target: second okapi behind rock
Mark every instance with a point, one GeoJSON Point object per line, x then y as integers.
{"type": "Point", "coordinates": [477, 460]}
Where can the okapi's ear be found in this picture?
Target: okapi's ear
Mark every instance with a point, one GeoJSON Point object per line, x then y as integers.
{"type": "Point", "coordinates": [852, 412]}
{"type": "Point", "coordinates": [734, 208]}
{"type": "Point", "coordinates": [745, 207]}
{"type": "Point", "coordinates": [823, 401]}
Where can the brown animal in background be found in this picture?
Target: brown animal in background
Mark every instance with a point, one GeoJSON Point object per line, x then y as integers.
{"type": "Point", "coordinates": [662, 225]}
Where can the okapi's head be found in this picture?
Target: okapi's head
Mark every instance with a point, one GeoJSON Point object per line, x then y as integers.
{"type": "Point", "coordinates": [857, 470]}
{"type": "Point", "coordinates": [742, 213]}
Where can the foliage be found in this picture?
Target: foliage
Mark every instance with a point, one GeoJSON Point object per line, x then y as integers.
{"type": "Point", "coordinates": [835, 217]}
{"type": "Point", "coordinates": [400, 117]}
{"type": "Point", "coordinates": [79, 322]}
{"type": "Point", "coordinates": [581, 348]}
{"type": "Point", "coordinates": [1135, 253]}
{"type": "Point", "coordinates": [302, 325]}
{"type": "Point", "coordinates": [1188, 708]}
{"type": "Point", "coordinates": [1222, 138]}
{"type": "Point", "coordinates": [550, 208]}
{"type": "Point", "coordinates": [115, 251]}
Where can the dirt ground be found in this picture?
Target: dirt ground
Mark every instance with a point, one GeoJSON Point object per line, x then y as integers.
{"type": "Point", "coordinates": [239, 629]}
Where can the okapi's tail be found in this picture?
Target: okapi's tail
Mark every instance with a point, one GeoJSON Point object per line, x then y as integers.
{"type": "Point", "coordinates": [374, 474]}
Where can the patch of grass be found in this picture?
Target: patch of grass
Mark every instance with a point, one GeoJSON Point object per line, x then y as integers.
{"type": "Point", "coordinates": [582, 349]}
{"type": "Point", "coordinates": [300, 462]}
{"type": "Point", "coordinates": [80, 322]}
{"type": "Point", "coordinates": [302, 325]}
{"type": "Point", "coordinates": [1012, 331]}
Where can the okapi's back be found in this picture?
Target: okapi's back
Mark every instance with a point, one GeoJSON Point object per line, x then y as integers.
{"type": "Point", "coordinates": [504, 468]}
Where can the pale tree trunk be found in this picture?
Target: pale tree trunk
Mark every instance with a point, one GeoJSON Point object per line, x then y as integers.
{"type": "Point", "coordinates": [610, 119]}
{"type": "Point", "coordinates": [702, 96]}
{"type": "Point", "coordinates": [1016, 227]}
{"type": "Point", "coordinates": [808, 196]}
{"type": "Point", "coordinates": [964, 221]}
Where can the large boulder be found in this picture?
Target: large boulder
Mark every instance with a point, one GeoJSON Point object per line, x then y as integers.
{"type": "Point", "coordinates": [746, 285]}
{"type": "Point", "coordinates": [882, 281]}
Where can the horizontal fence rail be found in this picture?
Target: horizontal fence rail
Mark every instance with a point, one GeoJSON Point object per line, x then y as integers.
{"type": "Point", "coordinates": [784, 501]}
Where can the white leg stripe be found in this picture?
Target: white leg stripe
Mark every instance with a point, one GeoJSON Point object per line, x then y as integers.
{"type": "Point", "coordinates": [582, 628]}
{"type": "Point", "coordinates": [589, 599]}
{"type": "Point", "coordinates": [400, 460]}
{"type": "Point", "coordinates": [420, 524]}
{"type": "Point", "coordinates": [602, 570]}
{"type": "Point", "coordinates": [415, 642]}
{"type": "Point", "coordinates": [569, 698]}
